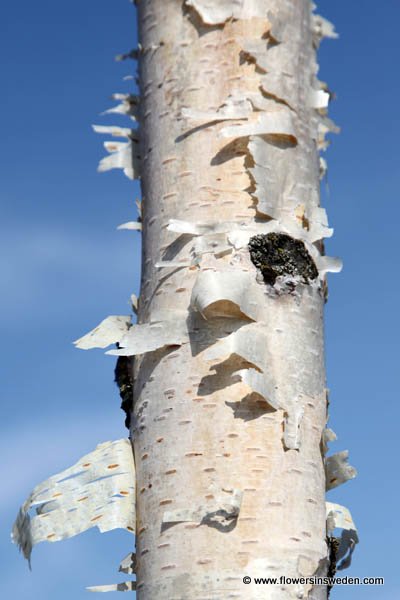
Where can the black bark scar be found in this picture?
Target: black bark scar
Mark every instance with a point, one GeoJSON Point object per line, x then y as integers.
{"type": "Point", "coordinates": [278, 254]}
{"type": "Point", "coordinates": [333, 547]}
{"type": "Point", "coordinates": [124, 380]}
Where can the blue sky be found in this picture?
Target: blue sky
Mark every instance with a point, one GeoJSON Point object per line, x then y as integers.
{"type": "Point", "coordinates": [64, 268]}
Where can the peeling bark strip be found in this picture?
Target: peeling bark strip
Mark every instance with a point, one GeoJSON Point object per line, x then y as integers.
{"type": "Point", "coordinates": [126, 586]}
{"type": "Point", "coordinates": [231, 121]}
{"type": "Point", "coordinates": [98, 491]}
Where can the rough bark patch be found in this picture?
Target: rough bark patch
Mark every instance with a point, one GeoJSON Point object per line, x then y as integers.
{"type": "Point", "coordinates": [278, 254]}
{"type": "Point", "coordinates": [124, 381]}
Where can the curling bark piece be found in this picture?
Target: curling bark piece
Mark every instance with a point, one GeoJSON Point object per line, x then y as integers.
{"type": "Point", "coordinates": [98, 491]}
{"type": "Point", "coordinates": [222, 511]}
{"type": "Point", "coordinates": [338, 470]}
{"type": "Point", "coordinates": [126, 586]}
{"type": "Point", "coordinates": [131, 226]}
{"type": "Point", "coordinates": [212, 13]}
{"type": "Point", "coordinates": [128, 106]}
{"type": "Point", "coordinates": [123, 155]}
{"type": "Point", "coordinates": [128, 564]}
{"type": "Point", "coordinates": [230, 293]}
{"type": "Point", "coordinates": [169, 328]}
{"type": "Point", "coordinates": [339, 517]}
{"type": "Point", "coordinates": [108, 332]}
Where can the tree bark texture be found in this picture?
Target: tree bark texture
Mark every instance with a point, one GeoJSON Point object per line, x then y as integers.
{"type": "Point", "coordinates": [227, 422]}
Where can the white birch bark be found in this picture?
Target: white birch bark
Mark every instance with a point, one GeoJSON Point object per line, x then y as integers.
{"type": "Point", "coordinates": [229, 402]}
{"type": "Point", "coordinates": [227, 426]}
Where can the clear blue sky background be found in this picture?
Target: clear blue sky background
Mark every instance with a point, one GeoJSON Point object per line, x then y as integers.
{"type": "Point", "coordinates": [64, 268]}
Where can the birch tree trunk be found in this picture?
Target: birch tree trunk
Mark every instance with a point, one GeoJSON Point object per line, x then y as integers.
{"type": "Point", "coordinates": [228, 421]}
{"type": "Point", "coordinates": [229, 410]}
